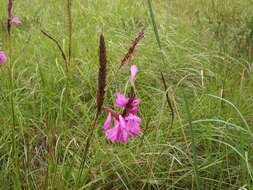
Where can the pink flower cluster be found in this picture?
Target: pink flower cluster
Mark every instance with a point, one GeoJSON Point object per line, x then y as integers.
{"type": "Point", "coordinates": [3, 57]}
{"type": "Point", "coordinates": [15, 21]}
{"type": "Point", "coordinates": [128, 123]}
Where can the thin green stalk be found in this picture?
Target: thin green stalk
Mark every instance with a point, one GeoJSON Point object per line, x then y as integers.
{"type": "Point", "coordinates": [11, 83]}
{"type": "Point", "coordinates": [193, 145]}
{"type": "Point", "coordinates": [11, 99]}
{"type": "Point", "coordinates": [152, 15]}
{"type": "Point", "coordinates": [86, 150]}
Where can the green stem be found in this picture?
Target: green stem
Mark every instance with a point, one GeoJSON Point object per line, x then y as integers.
{"type": "Point", "coordinates": [11, 83]}
{"type": "Point", "coordinates": [12, 102]}
{"type": "Point", "coordinates": [86, 149]}
{"type": "Point", "coordinates": [193, 145]}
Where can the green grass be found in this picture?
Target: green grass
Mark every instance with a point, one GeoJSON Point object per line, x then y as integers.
{"type": "Point", "coordinates": [205, 52]}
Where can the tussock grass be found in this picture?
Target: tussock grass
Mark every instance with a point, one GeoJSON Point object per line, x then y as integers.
{"type": "Point", "coordinates": [205, 51]}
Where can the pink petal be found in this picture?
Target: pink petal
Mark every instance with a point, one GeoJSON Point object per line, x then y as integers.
{"type": "Point", "coordinates": [108, 121]}
{"type": "Point", "coordinates": [15, 21]}
{"type": "Point", "coordinates": [124, 136]}
{"type": "Point", "coordinates": [114, 133]}
{"type": "Point", "coordinates": [136, 102]}
{"type": "Point", "coordinates": [134, 70]}
{"type": "Point", "coordinates": [133, 124]}
{"type": "Point", "coordinates": [133, 110]}
{"type": "Point", "coordinates": [124, 132]}
{"type": "Point", "coordinates": [122, 122]}
{"type": "Point", "coordinates": [3, 57]}
{"type": "Point", "coordinates": [121, 100]}
{"type": "Point", "coordinates": [119, 133]}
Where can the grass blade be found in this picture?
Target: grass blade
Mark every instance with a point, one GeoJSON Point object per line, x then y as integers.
{"type": "Point", "coordinates": [152, 15]}
{"type": "Point", "coordinates": [193, 145]}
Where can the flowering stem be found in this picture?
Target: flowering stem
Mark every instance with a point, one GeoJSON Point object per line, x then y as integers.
{"type": "Point", "coordinates": [11, 83]}
{"type": "Point", "coordinates": [11, 99]}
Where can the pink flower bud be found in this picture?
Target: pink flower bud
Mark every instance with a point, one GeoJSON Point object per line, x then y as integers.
{"type": "Point", "coordinates": [15, 21]}
{"type": "Point", "coordinates": [3, 57]}
{"type": "Point", "coordinates": [134, 70]}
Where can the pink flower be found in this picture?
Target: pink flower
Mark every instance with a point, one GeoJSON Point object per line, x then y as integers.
{"type": "Point", "coordinates": [119, 133]}
{"type": "Point", "coordinates": [121, 100]}
{"type": "Point", "coordinates": [133, 124]}
{"type": "Point", "coordinates": [133, 110]}
{"type": "Point", "coordinates": [123, 127]}
{"type": "Point", "coordinates": [15, 21]}
{"type": "Point", "coordinates": [3, 57]}
{"type": "Point", "coordinates": [126, 123]}
{"type": "Point", "coordinates": [136, 102]}
{"type": "Point", "coordinates": [134, 70]}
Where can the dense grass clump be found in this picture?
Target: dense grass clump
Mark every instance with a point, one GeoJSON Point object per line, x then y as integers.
{"type": "Point", "coordinates": [195, 83]}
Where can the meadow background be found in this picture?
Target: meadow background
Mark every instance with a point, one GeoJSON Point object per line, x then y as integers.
{"type": "Point", "coordinates": [203, 48]}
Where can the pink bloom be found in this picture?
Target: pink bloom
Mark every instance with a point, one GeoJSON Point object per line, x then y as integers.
{"type": "Point", "coordinates": [127, 124]}
{"type": "Point", "coordinates": [121, 100]}
{"type": "Point", "coordinates": [134, 70]}
{"type": "Point", "coordinates": [123, 127]}
{"type": "Point", "coordinates": [133, 110]}
{"type": "Point", "coordinates": [136, 102]}
{"type": "Point", "coordinates": [119, 133]}
{"type": "Point", "coordinates": [15, 21]}
{"type": "Point", "coordinates": [3, 57]}
{"type": "Point", "coordinates": [133, 124]}
{"type": "Point", "coordinates": [113, 133]}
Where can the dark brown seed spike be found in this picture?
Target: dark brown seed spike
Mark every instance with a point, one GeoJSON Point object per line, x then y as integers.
{"type": "Point", "coordinates": [101, 74]}
{"type": "Point", "coordinates": [128, 55]}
